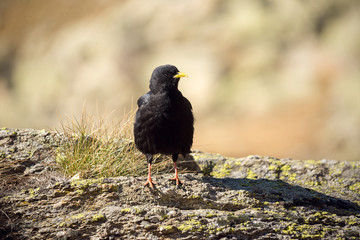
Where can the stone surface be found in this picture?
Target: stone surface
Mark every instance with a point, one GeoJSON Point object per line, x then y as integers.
{"type": "Point", "coordinates": [247, 198]}
{"type": "Point", "coordinates": [272, 77]}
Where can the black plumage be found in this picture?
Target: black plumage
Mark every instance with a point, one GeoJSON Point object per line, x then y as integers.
{"type": "Point", "coordinates": [164, 119]}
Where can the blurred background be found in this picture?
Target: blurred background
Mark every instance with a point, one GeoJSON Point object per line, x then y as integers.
{"type": "Point", "coordinates": [279, 78]}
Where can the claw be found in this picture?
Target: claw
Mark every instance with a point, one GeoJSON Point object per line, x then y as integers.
{"type": "Point", "coordinates": [176, 178]}
{"type": "Point", "coordinates": [150, 183]}
{"type": "Point", "coordinates": [149, 180]}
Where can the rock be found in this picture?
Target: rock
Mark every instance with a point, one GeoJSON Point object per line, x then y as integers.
{"type": "Point", "coordinates": [246, 198]}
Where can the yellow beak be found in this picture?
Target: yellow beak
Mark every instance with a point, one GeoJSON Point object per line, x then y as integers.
{"type": "Point", "coordinates": [180, 75]}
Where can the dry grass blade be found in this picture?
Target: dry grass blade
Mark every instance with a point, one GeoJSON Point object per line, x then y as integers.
{"type": "Point", "coordinates": [97, 147]}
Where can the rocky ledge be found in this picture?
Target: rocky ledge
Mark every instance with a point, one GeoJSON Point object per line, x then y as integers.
{"type": "Point", "coordinates": [244, 198]}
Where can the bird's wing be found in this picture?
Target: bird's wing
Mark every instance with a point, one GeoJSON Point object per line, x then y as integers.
{"type": "Point", "coordinates": [188, 104]}
{"type": "Point", "coordinates": [143, 99]}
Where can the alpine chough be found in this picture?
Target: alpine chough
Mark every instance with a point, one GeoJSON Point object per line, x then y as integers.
{"type": "Point", "coordinates": [164, 122]}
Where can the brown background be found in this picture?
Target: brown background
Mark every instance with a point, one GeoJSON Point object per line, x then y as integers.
{"type": "Point", "coordinates": [277, 78]}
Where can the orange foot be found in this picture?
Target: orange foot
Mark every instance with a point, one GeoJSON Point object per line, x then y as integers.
{"type": "Point", "coordinates": [150, 183]}
{"type": "Point", "coordinates": [176, 178]}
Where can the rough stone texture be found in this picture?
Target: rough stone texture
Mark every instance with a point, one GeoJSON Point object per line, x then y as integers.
{"type": "Point", "coordinates": [273, 77]}
{"type": "Point", "coordinates": [247, 198]}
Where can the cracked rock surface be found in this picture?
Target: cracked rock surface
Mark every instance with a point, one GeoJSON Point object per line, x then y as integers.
{"type": "Point", "coordinates": [245, 198]}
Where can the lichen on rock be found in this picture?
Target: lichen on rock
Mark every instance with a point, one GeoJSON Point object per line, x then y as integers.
{"type": "Point", "coordinates": [246, 198]}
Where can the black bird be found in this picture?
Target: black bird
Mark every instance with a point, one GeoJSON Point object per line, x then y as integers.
{"type": "Point", "coordinates": [164, 122]}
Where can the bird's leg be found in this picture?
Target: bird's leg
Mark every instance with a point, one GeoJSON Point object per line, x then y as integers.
{"type": "Point", "coordinates": [176, 178]}
{"type": "Point", "coordinates": [149, 181]}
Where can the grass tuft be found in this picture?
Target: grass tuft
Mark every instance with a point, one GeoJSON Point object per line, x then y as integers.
{"type": "Point", "coordinates": [96, 147]}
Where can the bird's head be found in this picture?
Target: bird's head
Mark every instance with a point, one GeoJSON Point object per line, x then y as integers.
{"type": "Point", "coordinates": [165, 78]}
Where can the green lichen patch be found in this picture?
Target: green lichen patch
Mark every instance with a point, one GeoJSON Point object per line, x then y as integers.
{"type": "Point", "coordinates": [305, 231]}
{"type": "Point", "coordinates": [85, 183]}
{"type": "Point", "coordinates": [97, 218]}
{"type": "Point", "coordinates": [167, 229]}
{"type": "Point", "coordinates": [126, 210]}
{"type": "Point", "coordinates": [32, 192]}
{"type": "Point", "coordinates": [355, 187]}
{"type": "Point", "coordinates": [223, 171]}
{"type": "Point", "coordinates": [78, 216]}
{"type": "Point", "coordinates": [251, 174]}
{"type": "Point", "coordinates": [252, 197]}
{"type": "Point", "coordinates": [191, 225]}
